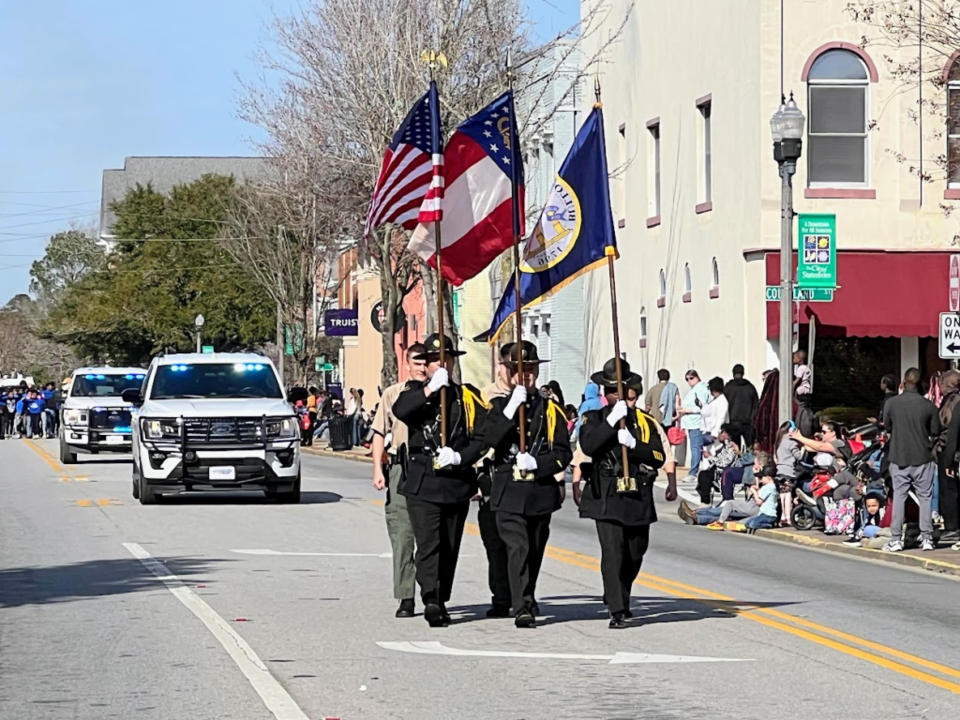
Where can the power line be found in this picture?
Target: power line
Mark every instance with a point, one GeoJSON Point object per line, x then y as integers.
{"type": "Point", "coordinates": [44, 192]}
{"type": "Point", "coordinates": [44, 209]}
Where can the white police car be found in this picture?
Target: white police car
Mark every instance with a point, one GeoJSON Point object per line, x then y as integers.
{"type": "Point", "coordinates": [216, 421]}
{"type": "Point", "coordinates": [94, 417]}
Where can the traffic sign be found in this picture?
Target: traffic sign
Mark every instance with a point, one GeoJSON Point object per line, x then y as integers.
{"type": "Point", "coordinates": [950, 336]}
{"type": "Point", "coordinates": [801, 294]}
{"type": "Point", "coordinates": [327, 367]}
{"type": "Point", "coordinates": [954, 283]}
{"type": "Point", "coordinates": [207, 349]}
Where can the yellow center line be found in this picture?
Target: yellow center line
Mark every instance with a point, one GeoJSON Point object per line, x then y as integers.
{"type": "Point", "coordinates": [57, 467]}
{"type": "Point", "coordinates": [765, 616]}
{"type": "Point", "coordinates": [84, 503]}
{"type": "Point", "coordinates": [102, 501]}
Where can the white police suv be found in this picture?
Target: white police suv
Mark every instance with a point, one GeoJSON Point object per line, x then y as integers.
{"type": "Point", "coordinates": [216, 421]}
{"type": "Point", "coordinates": [94, 417]}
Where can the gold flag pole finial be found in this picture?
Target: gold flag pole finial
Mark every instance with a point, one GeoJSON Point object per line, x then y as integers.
{"type": "Point", "coordinates": [596, 91]}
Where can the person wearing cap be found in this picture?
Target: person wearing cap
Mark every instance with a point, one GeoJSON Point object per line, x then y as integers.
{"type": "Point", "coordinates": [525, 489]}
{"type": "Point", "coordinates": [391, 435]}
{"type": "Point", "coordinates": [623, 515]}
{"type": "Point", "coordinates": [496, 550]}
{"type": "Point", "coordinates": [440, 479]}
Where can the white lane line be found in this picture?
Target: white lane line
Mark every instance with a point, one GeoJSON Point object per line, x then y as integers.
{"type": "Point", "coordinates": [311, 554]}
{"type": "Point", "coordinates": [620, 658]}
{"type": "Point", "coordinates": [277, 700]}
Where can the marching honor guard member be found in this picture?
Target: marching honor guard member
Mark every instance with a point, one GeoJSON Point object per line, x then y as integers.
{"type": "Point", "coordinates": [525, 490]}
{"type": "Point", "coordinates": [390, 435]}
{"type": "Point", "coordinates": [496, 551]}
{"type": "Point", "coordinates": [620, 499]}
{"type": "Point", "coordinates": [440, 479]}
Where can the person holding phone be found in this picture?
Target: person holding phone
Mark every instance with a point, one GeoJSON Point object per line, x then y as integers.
{"type": "Point", "coordinates": [690, 411]}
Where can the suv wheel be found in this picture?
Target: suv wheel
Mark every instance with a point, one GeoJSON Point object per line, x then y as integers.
{"type": "Point", "coordinates": [291, 497]}
{"type": "Point", "coordinates": [136, 482]}
{"type": "Point", "coordinates": [143, 492]}
{"type": "Point", "coordinates": [67, 457]}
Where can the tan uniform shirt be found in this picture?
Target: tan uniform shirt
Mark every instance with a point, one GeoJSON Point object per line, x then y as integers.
{"type": "Point", "coordinates": [385, 423]}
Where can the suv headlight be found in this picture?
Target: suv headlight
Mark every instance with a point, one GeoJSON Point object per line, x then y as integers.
{"type": "Point", "coordinates": [163, 429]}
{"type": "Point", "coordinates": [75, 417]}
{"type": "Point", "coordinates": [283, 428]}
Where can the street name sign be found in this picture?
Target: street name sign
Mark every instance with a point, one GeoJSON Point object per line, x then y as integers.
{"type": "Point", "coordinates": [207, 349]}
{"type": "Point", "coordinates": [801, 294]}
{"type": "Point", "coordinates": [950, 336]}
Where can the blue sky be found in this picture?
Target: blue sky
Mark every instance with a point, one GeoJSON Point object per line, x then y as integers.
{"type": "Point", "coordinates": [86, 83]}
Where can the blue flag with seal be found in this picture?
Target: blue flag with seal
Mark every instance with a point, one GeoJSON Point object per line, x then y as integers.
{"type": "Point", "coordinates": [574, 233]}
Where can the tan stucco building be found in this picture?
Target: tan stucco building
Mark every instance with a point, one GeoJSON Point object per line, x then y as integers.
{"type": "Point", "coordinates": [688, 95]}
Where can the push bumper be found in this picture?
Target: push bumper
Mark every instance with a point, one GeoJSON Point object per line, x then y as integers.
{"type": "Point", "coordinates": [168, 468]}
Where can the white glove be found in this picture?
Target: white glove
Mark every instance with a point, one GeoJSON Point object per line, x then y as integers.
{"type": "Point", "coordinates": [526, 462]}
{"type": "Point", "coordinates": [440, 379]}
{"type": "Point", "coordinates": [388, 441]}
{"type": "Point", "coordinates": [517, 398]}
{"type": "Point", "coordinates": [626, 439]}
{"type": "Point", "coordinates": [618, 413]}
{"type": "Point", "coordinates": [447, 457]}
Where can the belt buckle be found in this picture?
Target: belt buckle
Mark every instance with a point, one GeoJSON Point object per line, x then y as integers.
{"type": "Point", "coordinates": [522, 476]}
{"type": "Point", "coordinates": [626, 484]}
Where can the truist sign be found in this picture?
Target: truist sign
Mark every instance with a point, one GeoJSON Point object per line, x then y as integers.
{"type": "Point", "coordinates": [340, 323]}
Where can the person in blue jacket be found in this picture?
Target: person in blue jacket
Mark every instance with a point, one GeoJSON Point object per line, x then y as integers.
{"type": "Point", "coordinates": [33, 407]}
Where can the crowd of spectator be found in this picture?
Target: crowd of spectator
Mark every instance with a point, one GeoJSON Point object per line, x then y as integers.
{"type": "Point", "coordinates": [28, 411]}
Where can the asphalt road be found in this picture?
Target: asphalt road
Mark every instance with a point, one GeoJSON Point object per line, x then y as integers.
{"type": "Point", "coordinates": [234, 607]}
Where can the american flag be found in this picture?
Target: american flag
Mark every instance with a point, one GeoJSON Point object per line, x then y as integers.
{"type": "Point", "coordinates": [410, 187]}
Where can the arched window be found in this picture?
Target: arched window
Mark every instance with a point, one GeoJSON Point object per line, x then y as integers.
{"type": "Point", "coordinates": [715, 280]}
{"type": "Point", "coordinates": [838, 83]}
{"type": "Point", "coordinates": [953, 124]}
{"type": "Point", "coordinates": [662, 298]}
{"type": "Point", "coordinates": [643, 327]}
{"type": "Point", "coordinates": [687, 284]}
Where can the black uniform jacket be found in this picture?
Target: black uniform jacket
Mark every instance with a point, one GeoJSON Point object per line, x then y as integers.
{"type": "Point", "coordinates": [540, 496]}
{"type": "Point", "coordinates": [466, 418]}
{"type": "Point", "coordinates": [600, 499]}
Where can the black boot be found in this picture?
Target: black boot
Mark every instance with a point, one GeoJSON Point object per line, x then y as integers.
{"type": "Point", "coordinates": [617, 621]}
{"type": "Point", "coordinates": [444, 615]}
{"type": "Point", "coordinates": [525, 619]}
{"type": "Point", "coordinates": [406, 609]}
{"type": "Point", "coordinates": [433, 614]}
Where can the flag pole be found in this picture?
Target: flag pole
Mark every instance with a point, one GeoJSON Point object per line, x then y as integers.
{"type": "Point", "coordinates": [518, 317]}
{"type": "Point", "coordinates": [433, 58]}
{"type": "Point", "coordinates": [626, 483]}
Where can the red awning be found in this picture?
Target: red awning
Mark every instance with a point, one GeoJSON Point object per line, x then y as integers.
{"type": "Point", "coordinates": [880, 294]}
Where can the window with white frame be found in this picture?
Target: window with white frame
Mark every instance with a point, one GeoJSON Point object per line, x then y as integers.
{"type": "Point", "coordinates": [662, 298]}
{"type": "Point", "coordinates": [838, 104]}
{"type": "Point", "coordinates": [687, 283]}
{"type": "Point", "coordinates": [706, 162]}
{"type": "Point", "coordinates": [643, 327]}
{"type": "Point", "coordinates": [653, 163]}
{"type": "Point", "coordinates": [715, 279]}
{"type": "Point", "coordinates": [953, 125]}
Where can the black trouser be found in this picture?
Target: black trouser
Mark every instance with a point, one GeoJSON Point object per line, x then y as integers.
{"type": "Point", "coordinates": [622, 548]}
{"type": "Point", "coordinates": [746, 432]}
{"type": "Point", "coordinates": [525, 537]}
{"type": "Point", "coordinates": [3, 424]}
{"type": "Point", "coordinates": [497, 577]}
{"type": "Point", "coordinates": [949, 501]}
{"type": "Point", "coordinates": [313, 426]}
{"type": "Point", "coordinates": [438, 529]}
{"type": "Point", "coordinates": [705, 484]}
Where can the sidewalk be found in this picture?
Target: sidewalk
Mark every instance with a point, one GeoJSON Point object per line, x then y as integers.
{"type": "Point", "coordinates": [942, 560]}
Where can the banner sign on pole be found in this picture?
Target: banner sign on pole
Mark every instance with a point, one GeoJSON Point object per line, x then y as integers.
{"type": "Point", "coordinates": [343, 322]}
{"type": "Point", "coordinates": [817, 251]}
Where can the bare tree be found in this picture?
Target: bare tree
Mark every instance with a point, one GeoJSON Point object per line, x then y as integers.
{"type": "Point", "coordinates": [918, 38]}
{"type": "Point", "coordinates": [351, 69]}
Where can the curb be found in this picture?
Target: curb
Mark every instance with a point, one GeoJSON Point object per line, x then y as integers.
{"type": "Point", "coordinates": [931, 565]}
{"type": "Point", "coordinates": [352, 457]}
{"type": "Point", "coordinates": [928, 564]}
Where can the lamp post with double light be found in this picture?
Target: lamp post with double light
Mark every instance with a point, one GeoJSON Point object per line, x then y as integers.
{"type": "Point", "coordinates": [786, 127]}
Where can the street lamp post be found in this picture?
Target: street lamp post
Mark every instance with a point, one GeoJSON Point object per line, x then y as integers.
{"type": "Point", "coordinates": [786, 127]}
{"type": "Point", "coordinates": [199, 323]}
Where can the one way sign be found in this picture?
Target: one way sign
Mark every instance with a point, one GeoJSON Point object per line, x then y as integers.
{"type": "Point", "coordinates": [950, 336]}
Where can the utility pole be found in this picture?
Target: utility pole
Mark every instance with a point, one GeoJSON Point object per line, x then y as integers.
{"type": "Point", "coordinates": [281, 345]}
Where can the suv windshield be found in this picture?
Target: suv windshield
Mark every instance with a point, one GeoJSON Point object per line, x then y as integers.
{"type": "Point", "coordinates": [215, 380]}
{"type": "Point", "coordinates": [98, 385]}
